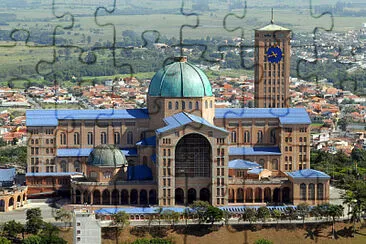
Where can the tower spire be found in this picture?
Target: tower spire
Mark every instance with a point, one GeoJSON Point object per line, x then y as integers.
{"type": "Point", "coordinates": [272, 19]}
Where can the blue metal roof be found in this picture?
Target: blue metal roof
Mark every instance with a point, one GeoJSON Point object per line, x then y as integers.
{"type": "Point", "coordinates": [308, 173]}
{"type": "Point", "coordinates": [285, 115]}
{"type": "Point", "coordinates": [139, 172]}
{"type": "Point", "coordinates": [50, 117]}
{"type": "Point", "coordinates": [182, 119]}
{"type": "Point", "coordinates": [137, 210]}
{"type": "Point", "coordinates": [44, 174]}
{"type": "Point", "coordinates": [84, 152]}
{"type": "Point", "coordinates": [255, 171]}
{"type": "Point", "coordinates": [238, 151]}
{"type": "Point", "coordinates": [242, 164]}
{"type": "Point", "coordinates": [150, 141]}
{"type": "Point", "coordinates": [7, 175]}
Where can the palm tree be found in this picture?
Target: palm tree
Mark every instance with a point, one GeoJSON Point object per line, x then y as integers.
{"type": "Point", "coordinates": [277, 214]}
{"type": "Point", "coordinates": [158, 213]}
{"type": "Point", "coordinates": [334, 211]}
{"type": "Point", "coordinates": [119, 221]}
{"type": "Point", "coordinates": [303, 210]}
{"type": "Point", "coordinates": [249, 215]}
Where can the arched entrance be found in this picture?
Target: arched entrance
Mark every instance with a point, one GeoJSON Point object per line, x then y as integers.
{"type": "Point", "coordinates": [11, 202]}
{"type": "Point", "coordinates": [258, 194]}
{"type": "Point", "coordinates": [192, 195]}
{"type": "Point", "coordinates": [152, 197]}
{"type": "Point", "coordinates": [240, 195]}
{"type": "Point", "coordinates": [106, 197]}
{"type": "Point", "coordinates": [231, 195]}
{"type": "Point", "coordinates": [267, 195]}
{"type": "Point", "coordinates": [19, 201]}
{"type": "Point", "coordinates": [115, 197]}
{"type": "Point", "coordinates": [2, 205]}
{"type": "Point", "coordinates": [249, 195]}
{"type": "Point", "coordinates": [143, 197]}
{"type": "Point", "coordinates": [276, 195]}
{"type": "Point", "coordinates": [193, 156]}
{"type": "Point", "coordinates": [179, 196]}
{"type": "Point", "coordinates": [86, 197]}
{"type": "Point", "coordinates": [124, 197]}
{"type": "Point", "coordinates": [77, 197]}
{"type": "Point", "coordinates": [134, 196]}
{"type": "Point", "coordinates": [96, 197]}
{"type": "Point", "coordinates": [205, 195]}
{"type": "Point", "coordinates": [286, 195]}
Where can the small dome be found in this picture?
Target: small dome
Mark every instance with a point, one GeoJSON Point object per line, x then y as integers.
{"type": "Point", "coordinates": [180, 79]}
{"type": "Point", "coordinates": [106, 156]}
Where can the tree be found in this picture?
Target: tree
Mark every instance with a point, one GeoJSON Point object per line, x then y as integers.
{"type": "Point", "coordinates": [213, 214]}
{"type": "Point", "coordinates": [226, 216]}
{"type": "Point", "coordinates": [263, 241]}
{"type": "Point", "coordinates": [158, 214]}
{"type": "Point", "coordinates": [119, 221]}
{"type": "Point", "coordinates": [263, 213]}
{"type": "Point", "coordinates": [49, 230]}
{"type": "Point", "coordinates": [4, 240]}
{"type": "Point", "coordinates": [63, 215]}
{"type": "Point", "coordinates": [12, 229]}
{"type": "Point", "coordinates": [290, 213]}
{"type": "Point", "coordinates": [334, 211]}
{"type": "Point", "coordinates": [303, 210]}
{"type": "Point", "coordinates": [33, 239]}
{"type": "Point", "coordinates": [34, 220]}
{"type": "Point", "coordinates": [199, 209]}
{"type": "Point", "coordinates": [249, 215]}
{"type": "Point", "coordinates": [171, 216]}
{"type": "Point", "coordinates": [276, 214]}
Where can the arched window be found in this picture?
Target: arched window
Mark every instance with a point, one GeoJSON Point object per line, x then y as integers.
{"type": "Point", "coordinates": [76, 138]}
{"type": "Point", "coordinates": [37, 141]}
{"type": "Point", "coordinates": [311, 190]}
{"type": "Point", "coordinates": [170, 106]}
{"type": "Point", "coordinates": [129, 137]}
{"type": "Point", "coordinates": [274, 164]}
{"type": "Point", "coordinates": [211, 104]}
{"type": "Point", "coordinates": [62, 138]}
{"type": "Point", "coordinates": [246, 137]}
{"type": "Point", "coordinates": [77, 166]}
{"type": "Point", "coordinates": [233, 137]}
{"type": "Point", "coordinates": [117, 138]}
{"type": "Point", "coordinates": [273, 136]}
{"type": "Point", "coordinates": [300, 139]}
{"type": "Point", "coordinates": [260, 136]}
{"type": "Point", "coordinates": [183, 105]}
{"type": "Point", "coordinates": [320, 191]}
{"type": "Point", "coordinates": [103, 138]}
{"type": "Point", "coordinates": [206, 104]}
{"type": "Point", "coordinates": [176, 105]}
{"type": "Point", "coordinates": [63, 166]}
{"type": "Point", "coordinates": [197, 105]}
{"type": "Point", "coordinates": [90, 138]}
{"type": "Point", "coordinates": [303, 192]}
{"type": "Point", "coordinates": [190, 105]}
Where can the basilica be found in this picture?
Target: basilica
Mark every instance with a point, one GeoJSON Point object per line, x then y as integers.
{"type": "Point", "coordinates": [180, 148]}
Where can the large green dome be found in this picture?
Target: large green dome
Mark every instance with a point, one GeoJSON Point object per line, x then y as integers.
{"type": "Point", "coordinates": [106, 156]}
{"type": "Point", "coordinates": [180, 79]}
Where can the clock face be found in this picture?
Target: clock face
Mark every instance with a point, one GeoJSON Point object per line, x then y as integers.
{"type": "Point", "coordinates": [274, 54]}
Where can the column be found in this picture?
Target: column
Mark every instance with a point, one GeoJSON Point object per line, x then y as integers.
{"type": "Point", "coordinates": [262, 195]}
{"type": "Point", "coordinates": [235, 195]}
{"type": "Point", "coordinates": [253, 196]}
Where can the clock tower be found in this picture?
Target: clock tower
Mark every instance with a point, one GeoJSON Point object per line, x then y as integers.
{"type": "Point", "coordinates": [272, 66]}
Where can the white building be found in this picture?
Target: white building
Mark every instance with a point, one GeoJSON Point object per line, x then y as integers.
{"type": "Point", "coordinates": [87, 229]}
